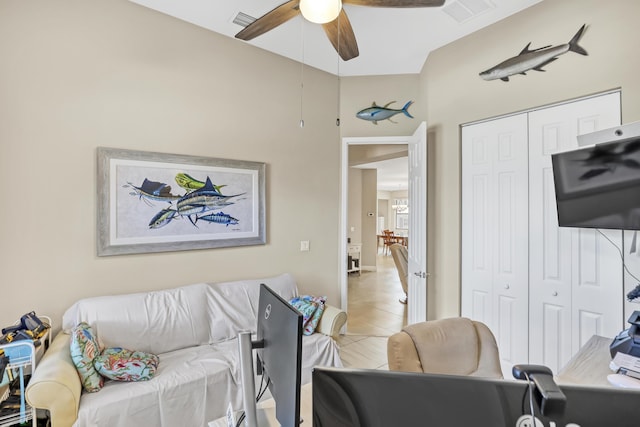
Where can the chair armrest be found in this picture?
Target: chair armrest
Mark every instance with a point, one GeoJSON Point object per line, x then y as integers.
{"type": "Point", "coordinates": [332, 320]}
{"type": "Point", "coordinates": [402, 354]}
{"type": "Point", "coordinates": [55, 384]}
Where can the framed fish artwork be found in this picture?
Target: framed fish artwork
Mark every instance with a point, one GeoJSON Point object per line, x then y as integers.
{"type": "Point", "coordinates": [157, 202]}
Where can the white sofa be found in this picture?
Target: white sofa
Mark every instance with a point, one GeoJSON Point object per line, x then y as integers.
{"type": "Point", "coordinates": [194, 331]}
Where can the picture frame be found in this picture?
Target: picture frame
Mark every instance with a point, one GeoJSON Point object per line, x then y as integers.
{"type": "Point", "coordinates": [158, 202]}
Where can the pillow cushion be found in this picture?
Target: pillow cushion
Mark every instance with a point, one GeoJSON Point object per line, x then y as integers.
{"type": "Point", "coordinates": [125, 365]}
{"type": "Point", "coordinates": [84, 348]}
{"type": "Point", "coordinates": [306, 308]}
{"type": "Point", "coordinates": [311, 308]}
{"type": "Point", "coordinates": [312, 324]}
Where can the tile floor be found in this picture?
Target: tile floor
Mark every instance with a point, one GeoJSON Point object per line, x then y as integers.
{"type": "Point", "coordinates": [374, 313]}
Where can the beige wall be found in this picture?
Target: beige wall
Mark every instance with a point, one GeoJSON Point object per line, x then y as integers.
{"type": "Point", "coordinates": [80, 74]}
{"type": "Point", "coordinates": [354, 205]}
{"type": "Point", "coordinates": [369, 217]}
{"type": "Point", "coordinates": [384, 207]}
{"type": "Point", "coordinates": [457, 95]}
{"type": "Point", "coordinates": [77, 75]}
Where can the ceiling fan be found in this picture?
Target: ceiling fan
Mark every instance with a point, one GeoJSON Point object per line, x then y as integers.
{"type": "Point", "coordinates": [337, 27]}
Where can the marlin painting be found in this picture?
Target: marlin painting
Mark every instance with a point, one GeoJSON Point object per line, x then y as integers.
{"type": "Point", "coordinates": [375, 113]}
{"type": "Point", "coordinates": [197, 203]}
{"type": "Point", "coordinates": [204, 199]}
{"type": "Point", "coordinates": [533, 59]}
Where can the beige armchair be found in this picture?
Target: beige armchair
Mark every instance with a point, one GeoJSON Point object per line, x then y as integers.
{"type": "Point", "coordinates": [401, 259]}
{"type": "Point", "coordinates": [454, 346]}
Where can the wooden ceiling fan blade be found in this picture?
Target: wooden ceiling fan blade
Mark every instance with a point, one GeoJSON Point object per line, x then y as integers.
{"type": "Point", "coordinates": [395, 3]}
{"type": "Point", "coordinates": [270, 20]}
{"type": "Point", "coordinates": [342, 37]}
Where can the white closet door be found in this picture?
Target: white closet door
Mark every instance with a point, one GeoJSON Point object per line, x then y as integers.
{"type": "Point", "coordinates": [495, 232]}
{"type": "Point", "coordinates": [575, 274]}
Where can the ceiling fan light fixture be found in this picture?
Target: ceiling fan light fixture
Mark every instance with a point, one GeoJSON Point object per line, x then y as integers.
{"type": "Point", "coordinates": [320, 11]}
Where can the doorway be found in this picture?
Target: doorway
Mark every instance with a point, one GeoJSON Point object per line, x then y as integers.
{"type": "Point", "coordinates": [378, 182]}
{"type": "Point", "coordinates": [417, 278]}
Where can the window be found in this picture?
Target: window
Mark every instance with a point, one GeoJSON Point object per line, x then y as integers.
{"type": "Point", "coordinates": [401, 206]}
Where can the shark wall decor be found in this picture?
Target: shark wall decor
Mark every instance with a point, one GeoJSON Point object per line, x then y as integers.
{"type": "Point", "coordinates": [533, 59]}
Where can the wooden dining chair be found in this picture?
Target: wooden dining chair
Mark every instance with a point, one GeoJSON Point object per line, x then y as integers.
{"type": "Point", "coordinates": [389, 239]}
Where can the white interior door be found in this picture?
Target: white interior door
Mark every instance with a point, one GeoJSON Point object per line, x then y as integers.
{"type": "Point", "coordinates": [495, 232]}
{"type": "Point", "coordinates": [417, 301]}
{"type": "Point", "coordinates": [575, 274]}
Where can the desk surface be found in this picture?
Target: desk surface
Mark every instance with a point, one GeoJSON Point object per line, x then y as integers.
{"type": "Point", "coordinates": [590, 365]}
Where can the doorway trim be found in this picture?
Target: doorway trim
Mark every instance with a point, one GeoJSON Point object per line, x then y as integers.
{"type": "Point", "coordinates": [344, 184]}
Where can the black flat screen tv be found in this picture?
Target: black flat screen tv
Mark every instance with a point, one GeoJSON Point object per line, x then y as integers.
{"type": "Point", "coordinates": [374, 398]}
{"type": "Point", "coordinates": [599, 186]}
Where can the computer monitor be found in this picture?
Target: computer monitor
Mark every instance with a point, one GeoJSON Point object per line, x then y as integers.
{"type": "Point", "coordinates": [372, 398]}
{"type": "Point", "coordinates": [278, 355]}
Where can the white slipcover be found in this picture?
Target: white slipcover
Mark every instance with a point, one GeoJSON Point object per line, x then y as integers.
{"type": "Point", "coordinates": [193, 329]}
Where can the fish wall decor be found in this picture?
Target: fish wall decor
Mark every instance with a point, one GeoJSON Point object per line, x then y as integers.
{"type": "Point", "coordinates": [200, 197]}
{"type": "Point", "coordinates": [376, 113]}
{"type": "Point", "coordinates": [533, 59]}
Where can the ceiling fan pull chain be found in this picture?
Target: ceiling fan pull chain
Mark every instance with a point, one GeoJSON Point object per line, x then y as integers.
{"type": "Point", "coordinates": [302, 74]}
{"type": "Point", "coordinates": [338, 117]}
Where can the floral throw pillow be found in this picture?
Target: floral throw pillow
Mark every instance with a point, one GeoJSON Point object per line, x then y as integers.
{"type": "Point", "coordinates": [125, 365]}
{"type": "Point", "coordinates": [84, 348]}
{"type": "Point", "coordinates": [311, 308]}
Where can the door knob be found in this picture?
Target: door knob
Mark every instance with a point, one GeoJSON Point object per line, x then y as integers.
{"type": "Point", "coordinates": [507, 286]}
{"type": "Point", "coordinates": [554, 293]}
{"type": "Point", "coordinates": [421, 274]}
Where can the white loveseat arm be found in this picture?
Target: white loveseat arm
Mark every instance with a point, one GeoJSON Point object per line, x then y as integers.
{"type": "Point", "coordinates": [332, 320]}
{"type": "Point", "coordinates": [55, 384]}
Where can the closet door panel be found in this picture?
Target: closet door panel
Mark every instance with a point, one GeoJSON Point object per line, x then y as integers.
{"type": "Point", "coordinates": [556, 329]}
{"type": "Point", "coordinates": [508, 330]}
{"type": "Point", "coordinates": [476, 229]}
{"type": "Point", "coordinates": [573, 284]}
{"type": "Point", "coordinates": [550, 258]}
{"type": "Point", "coordinates": [494, 221]}
{"type": "Point", "coordinates": [597, 285]}
{"type": "Point", "coordinates": [510, 284]}
{"type": "Point", "coordinates": [575, 277]}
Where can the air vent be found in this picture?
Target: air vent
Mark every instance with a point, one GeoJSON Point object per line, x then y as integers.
{"type": "Point", "coordinates": [464, 10]}
{"type": "Point", "coordinates": [243, 19]}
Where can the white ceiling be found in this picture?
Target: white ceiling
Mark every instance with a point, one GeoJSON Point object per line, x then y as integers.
{"type": "Point", "coordinates": [391, 41]}
{"type": "Point", "coordinates": [392, 174]}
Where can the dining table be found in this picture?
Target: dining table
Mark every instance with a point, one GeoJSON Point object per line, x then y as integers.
{"type": "Point", "coordinates": [403, 240]}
